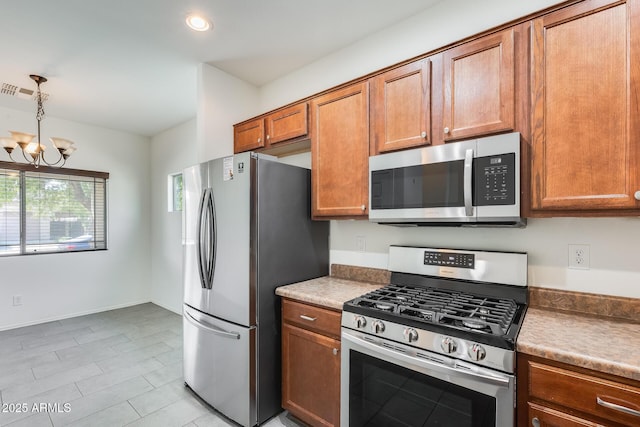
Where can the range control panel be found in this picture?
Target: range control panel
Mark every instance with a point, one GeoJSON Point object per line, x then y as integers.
{"type": "Point", "coordinates": [448, 259]}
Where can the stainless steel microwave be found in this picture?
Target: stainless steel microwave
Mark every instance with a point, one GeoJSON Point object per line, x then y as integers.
{"type": "Point", "coordinates": [468, 183]}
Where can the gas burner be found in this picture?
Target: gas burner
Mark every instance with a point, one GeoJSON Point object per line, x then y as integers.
{"type": "Point", "coordinates": [384, 307]}
{"type": "Point", "coordinates": [474, 324]}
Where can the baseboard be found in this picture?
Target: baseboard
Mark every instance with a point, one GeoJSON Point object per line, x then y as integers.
{"type": "Point", "coordinates": [68, 316]}
{"type": "Point", "coordinates": [166, 307]}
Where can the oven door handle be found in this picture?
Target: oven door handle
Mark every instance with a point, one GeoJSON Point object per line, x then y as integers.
{"type": "Point", "coordinates": [407, 360]}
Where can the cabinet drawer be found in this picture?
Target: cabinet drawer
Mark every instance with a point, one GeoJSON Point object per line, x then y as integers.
{"type": "Point", "coordinates": [311, 317]}
{"type": "Point", "coordinates": [585, 393]}
{"type": "Point", "coordinates": [548, 417]}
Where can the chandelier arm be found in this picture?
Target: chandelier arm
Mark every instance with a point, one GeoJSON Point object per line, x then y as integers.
{"type": "Point", "coordinates": [31, 162]}
{"type": "Point", "coordinates": [60, 158]}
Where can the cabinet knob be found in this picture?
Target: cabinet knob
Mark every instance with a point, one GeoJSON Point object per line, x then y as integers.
{"type": "Point", "coordinates": [259, 140]}
{"type": "Point", "coordinates": [637, 195]}
{"type": "Point", "coordinates": [446, 130]}
{"type": "Point", "coordinates": [335, 351]}
{"type": "Point", "coordinates": [535, 422]}
{"type": "Point", "coordinates": [268, 137]}
{"type": "Point", "coordinates": [423, 134]}
{"type": "Point", "coordinates": [363, 207]}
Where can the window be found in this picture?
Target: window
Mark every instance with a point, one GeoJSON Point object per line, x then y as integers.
{"type": "Point", "coordinates": [175, 192]}
{"type": "Point", "coordinates": [45, 210]}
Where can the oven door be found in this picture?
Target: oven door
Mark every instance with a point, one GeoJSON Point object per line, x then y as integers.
{"type": "Point", "coordinates": [390, 384]}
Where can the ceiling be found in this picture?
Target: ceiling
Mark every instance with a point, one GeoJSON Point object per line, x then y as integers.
{"type": "Point", "coordinates": [131, 65]}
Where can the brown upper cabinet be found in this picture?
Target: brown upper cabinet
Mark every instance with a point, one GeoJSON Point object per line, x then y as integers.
{"type": "Point", "coordinates": [287, 124]}
{"type": "Point", "coordinates": [400, 107]}
{"type": "Point", "coordinates": [248, 136]}
{"type": "Point", "coordinates": [586, 109]}
{"type": "Point", "coordinates": [340, 153]}
{"type": "Point", "coordinates": [266, 131]}
{"type": "Point", "coordinates": [479, 87]}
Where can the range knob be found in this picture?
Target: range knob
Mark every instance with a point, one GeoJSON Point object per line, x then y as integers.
{"type": "Point", "coordinates": [448, 345]}
{"type": "Point", "coordinates": [477, 352]}
{"type": "Point", "coordinates": [360, 321]}
{"type": "Point", "coordinates": [410, 334]}
{"type": "Point", "coordinates": [377, 326]}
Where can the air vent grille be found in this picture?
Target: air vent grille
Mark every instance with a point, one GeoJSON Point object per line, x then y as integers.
{"type": "Point", "coordinates": [8, 89]}
{"type": "Point", "coordinates": [21, 92]}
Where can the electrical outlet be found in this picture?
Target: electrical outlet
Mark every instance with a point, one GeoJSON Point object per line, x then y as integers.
{"type": "Point", "coordinates": [579, 257]}
{"type": "Point", "coordinates": [17, 300]}
{"type": "Point", "coordinates": [361, 243]}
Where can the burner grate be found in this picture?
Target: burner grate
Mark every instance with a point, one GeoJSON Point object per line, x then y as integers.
{"type": "Point", "coordinates": [456, 309]}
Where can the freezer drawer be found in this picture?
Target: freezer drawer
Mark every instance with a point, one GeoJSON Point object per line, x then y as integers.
{"type": "Point", "coordinates": [219, 364]}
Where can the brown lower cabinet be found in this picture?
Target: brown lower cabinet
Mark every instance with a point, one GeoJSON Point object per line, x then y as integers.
{"type": "Point", "coordinates": [553, 394]}
{"type": "Point", "coordinates": [311, 363]}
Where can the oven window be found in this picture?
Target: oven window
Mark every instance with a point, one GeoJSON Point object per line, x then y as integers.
{"type": "Point", "coordinates": [384, 394]}
{"type": "Point", "coordinates": [434, 185]}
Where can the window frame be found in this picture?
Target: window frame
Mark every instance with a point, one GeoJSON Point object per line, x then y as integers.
{"type": "Point", "coordinates": [171, 192]}
{"type": "Point", "coordinates": [22, 169]}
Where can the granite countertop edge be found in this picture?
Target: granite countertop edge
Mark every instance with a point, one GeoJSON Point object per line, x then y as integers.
{"type": "Point", "coordinates": [328, 291]}
{"type": "Point", "coordinates": [569, 338]}
{"type": "Point", "coordinates": [602, 345]}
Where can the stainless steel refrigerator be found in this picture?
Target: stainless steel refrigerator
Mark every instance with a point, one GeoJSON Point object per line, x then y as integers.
{"type": "Point", "coordinates": [248, 230]}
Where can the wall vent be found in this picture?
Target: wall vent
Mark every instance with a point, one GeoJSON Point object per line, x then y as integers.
{"type": "Point", "coordinates": [21, 92]}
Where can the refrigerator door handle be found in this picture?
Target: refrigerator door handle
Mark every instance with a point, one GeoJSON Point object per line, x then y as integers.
{"type": "Point", "coordinates": [206, 248]}
{"type": "Point", "coordinates": [211, 328]}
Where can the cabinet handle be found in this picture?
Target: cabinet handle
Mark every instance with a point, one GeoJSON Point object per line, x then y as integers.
{"type": "Point", "coordinates": [535, 422]}
{"type": "Point", "coordinates": [618, 408]}
{"type": "Point", "coordinates": [423, 134]}
{"type": "Point", "coordinates": [310, 319]}
{"type": "Point", "coordinates": [335, 351]}
{"type": "Point", "coordinates": [268, 137]}
{"type": "Point", "coordinates": [637, 195]}
{"type": "Point", "coordinates": [259, 139]}
{"type": "Point", "coordinates": [363, 207]}
{"type": "Point", "coordinates": [446, 130]}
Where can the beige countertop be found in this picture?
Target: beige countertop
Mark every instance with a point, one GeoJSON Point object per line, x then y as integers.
{"type": "Point", "coordinates": [602, 344]}
{"type": "Point", "coordinates": [326, 291]}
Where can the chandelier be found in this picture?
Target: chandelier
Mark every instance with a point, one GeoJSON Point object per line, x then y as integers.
{"type": "Point", "coordinates": [34, 151]}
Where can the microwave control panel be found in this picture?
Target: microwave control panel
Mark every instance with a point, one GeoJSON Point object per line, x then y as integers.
{"type": "Point", "coordinates": [495, 180]}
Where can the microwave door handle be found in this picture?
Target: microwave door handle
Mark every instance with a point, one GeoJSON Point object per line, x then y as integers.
{"type": "Point", "coordinates": [468, 182]}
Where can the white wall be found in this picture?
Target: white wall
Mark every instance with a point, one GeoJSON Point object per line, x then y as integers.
{"type": "Point", "coordinates": [614, 267]}
{"type": "Point", "coordinates": [172, 151]}
{"type": "Point", "coordinates": [62, 285]}
{"type": "Point", "coordinates": [222, 101]}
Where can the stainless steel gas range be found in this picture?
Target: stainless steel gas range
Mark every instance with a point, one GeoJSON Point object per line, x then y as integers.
{"type": "Point", "coordinates": [436, 347]}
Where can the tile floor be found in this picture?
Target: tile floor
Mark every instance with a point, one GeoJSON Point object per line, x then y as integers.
{"type": "Point", "coordinates": [115, 368]}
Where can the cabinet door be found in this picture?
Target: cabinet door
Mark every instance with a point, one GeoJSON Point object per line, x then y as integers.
{"type": "Point", "coordinates": [311, 376]}
{"type": "Point", "coordinates": [586, 116]}
{"type": "Point", "coordinates": [540, 416]}
{"type": "Point", "coordinates": [286, 124]}
{"type": "Point", "coordinates": [479, 78]}
{"type": "Point", "coordinates": [248, 136]}
{"type": "Point", "coordinates": [340, 153]}
{"type": "Point", "coordinates": [400, 107]}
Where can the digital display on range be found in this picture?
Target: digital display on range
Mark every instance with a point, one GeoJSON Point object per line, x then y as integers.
{"type": "Point", "coordinates": [448, 259]}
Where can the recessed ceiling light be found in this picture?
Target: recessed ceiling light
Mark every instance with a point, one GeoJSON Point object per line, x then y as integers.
{"type": "Point", "coordinates": [198, 23]}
